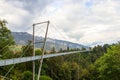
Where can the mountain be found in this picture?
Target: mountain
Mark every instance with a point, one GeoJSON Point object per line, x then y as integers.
{"type": "Point", "coordinates": [96, 44]}
{"type": "Point", "coordinates": [21, 38]}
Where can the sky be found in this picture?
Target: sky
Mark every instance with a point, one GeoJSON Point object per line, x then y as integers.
{"type": "Point", "coordinates": [81, 21]}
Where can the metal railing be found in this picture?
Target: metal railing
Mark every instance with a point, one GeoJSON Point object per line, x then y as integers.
{"type": "Point", "coordinates": [32, 58]}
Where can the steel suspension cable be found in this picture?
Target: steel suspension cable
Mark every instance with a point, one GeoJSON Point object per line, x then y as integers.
{"type": "Point", "coordinates": [15, 64]}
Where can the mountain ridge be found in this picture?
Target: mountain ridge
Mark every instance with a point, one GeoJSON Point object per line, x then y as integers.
{"type": "Point", "coordinates": [21, 38]}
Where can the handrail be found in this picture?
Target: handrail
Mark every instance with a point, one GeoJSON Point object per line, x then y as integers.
{"type": "Point", "coordinates": [32, 58]}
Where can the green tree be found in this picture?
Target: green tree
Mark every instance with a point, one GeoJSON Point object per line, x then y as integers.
{"type": "Point", "coordinates": [6, 38]}
{"type": "Point", "coordinates": [45, 78]}
{"type": "Point", "coordinates": [27, 49]}
{"type": "Point", "coordinates": [53, 67]}
{"type": "Point", "coordinates": [38, 51]}
{"type": "Point", "coordinates": [53, 50]}
{"type": "Point", "coordinates": [27, 75]}
{"type": "Point", "coordinates": [16, 75]}
{"type": "Point", "coordinates": [68, 48]}
{"type": "Point", "coordinates": [108, 66]}
{"type": "Point", "coordinates": [70, 71]}
{"type": "Point", "coordinates": [83, 48]}
{"type": "Point", "coordinates": [61, 50]}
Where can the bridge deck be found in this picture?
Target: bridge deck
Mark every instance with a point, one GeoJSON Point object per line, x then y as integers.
{"type": "Point", "coordinates": [32, 58]}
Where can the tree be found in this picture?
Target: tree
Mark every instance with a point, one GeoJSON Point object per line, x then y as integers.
{"type": "Point", "coordinates": [53, 50]}
{"type": "Point", "coordinates": [45, 78]}
{"type": "Point", "coordinates": [108, 66]}
{"type": "Point", "coordinates": [70, 71]}
{"type": "Point", "coordinates": [38, 51]}
{"type": "Point", "coordinates": [68, 48]}
{"type": "Point", "coordinates": [27, 75]}
{"type": "Point", "coordinates": [83, 48]}
{"type": "Point", "coordinates": [61, 50]}
{"type": "Point", "coordinates": [27, 50]}
{"type": "Point", "coordinates": [53, 67]}
{"type": "Point", "coordinates": [16, 75]}
{"type": "Point", "coordinates": [6, 38]}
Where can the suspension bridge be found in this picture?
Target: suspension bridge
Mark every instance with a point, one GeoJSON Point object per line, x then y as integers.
{"type": "Point", "coordinates": [32, 58]}
{"type": "Point", "coordinates": [22, 59]}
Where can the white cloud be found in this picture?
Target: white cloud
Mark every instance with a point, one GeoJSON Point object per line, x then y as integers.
{"type": "Point", "coordinates": [82, 21]}
{"type": "Point", "coordinates": [14, 14]}
{"type": "Point", "coordinates": [88, 24]}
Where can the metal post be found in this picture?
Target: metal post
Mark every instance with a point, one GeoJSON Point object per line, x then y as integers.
{"type": "Point", "coordinates": [33, 51]}
{"type": "Point", "coordinates": [41, 61]}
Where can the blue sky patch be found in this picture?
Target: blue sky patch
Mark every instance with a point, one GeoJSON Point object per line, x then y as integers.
{"type": "Point", "coordinates": [89, 4]}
